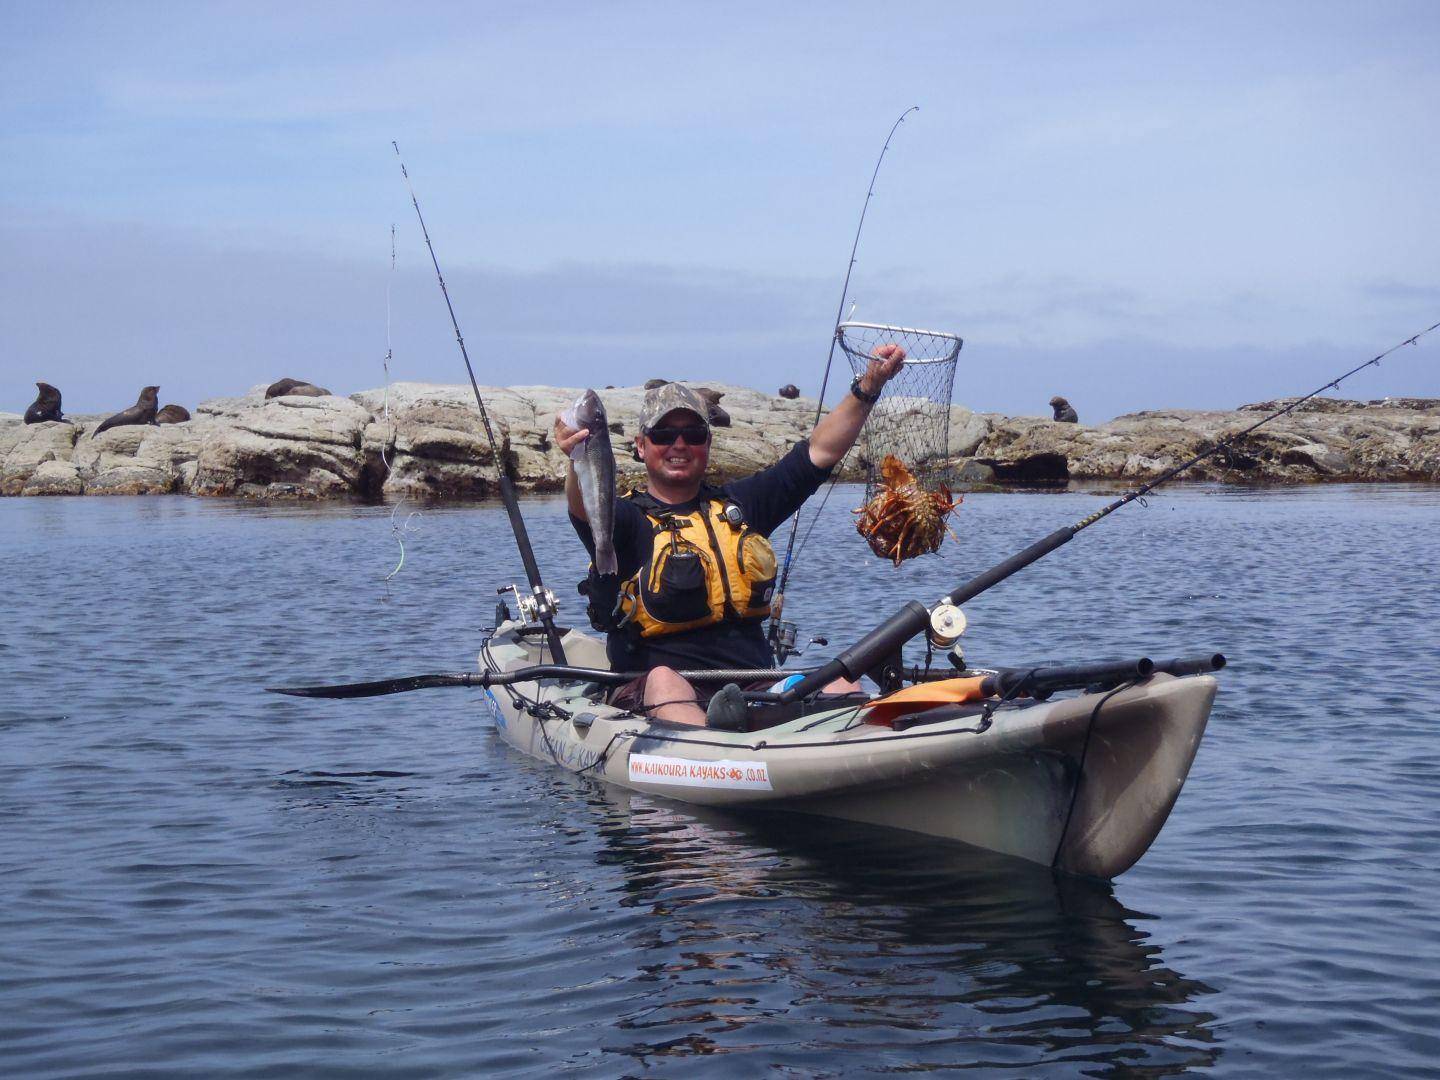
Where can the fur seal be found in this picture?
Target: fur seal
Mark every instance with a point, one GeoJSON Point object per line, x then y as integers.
{"type": "Point", "coordinates": [651, 384]}
{"type": "Point", "coordinates": [789, 391]}
{"type": "Point", "coordinates": [1064, 413]}
{"type": "Point", "coordinates": [295, 387]}
{"type": "Point", "coordinates": [172, 414]}
{"type": "Point", "coordinates": [46, 407]}
{"type": "Point", "coordinates": [718, 417]}
{"type": "Point", "coordinates": [142, 412]}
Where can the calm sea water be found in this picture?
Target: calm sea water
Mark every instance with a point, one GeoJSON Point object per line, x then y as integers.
{"type": "Point", "coordinates": [200, 879]}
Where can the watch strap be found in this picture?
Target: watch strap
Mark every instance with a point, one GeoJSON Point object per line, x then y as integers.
{"type": "Point", "coordinates": [868, 399]}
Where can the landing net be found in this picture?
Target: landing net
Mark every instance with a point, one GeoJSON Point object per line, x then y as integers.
{"type": "Point", "coordinates": [912, 418]}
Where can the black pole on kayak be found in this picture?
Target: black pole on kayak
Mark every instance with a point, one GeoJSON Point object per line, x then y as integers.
{"type": "Point", "coordinates": [544, 604]}
{"type": "Point", "coordinates": [886, 640]}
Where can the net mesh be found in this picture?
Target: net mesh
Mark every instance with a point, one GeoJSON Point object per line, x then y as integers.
{"type": "Point", "coordinates": [912, 419]}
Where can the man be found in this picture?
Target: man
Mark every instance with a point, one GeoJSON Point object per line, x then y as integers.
{"type": "Point", "coordinates": [696, 567]}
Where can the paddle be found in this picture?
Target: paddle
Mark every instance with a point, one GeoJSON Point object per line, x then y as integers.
{"type": "Point", "coordinates": [1004, 682]}
{"type": "Point", "coordinates": [562, 672]}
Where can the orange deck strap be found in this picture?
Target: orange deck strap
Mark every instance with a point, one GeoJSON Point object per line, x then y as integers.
{"type": "Point", "coordinates": [924, 696]}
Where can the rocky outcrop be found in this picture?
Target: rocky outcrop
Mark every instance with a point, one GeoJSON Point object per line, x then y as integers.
{"type": "Point", "coordinates": [1325, 439]}
{"type": "Point", "coordinates": [426, 441]}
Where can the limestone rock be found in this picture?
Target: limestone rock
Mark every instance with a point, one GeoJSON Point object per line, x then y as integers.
{"type": "Point", "coordinates": [25, 447]}
{"type": "Point", "coordinates": [53, 478]}
{"type": "Point", "coordinates": [967, 431]}
{"type": "Point", "coordinates": [427, 440]}
{"type": "Point", "coordinates": [138, 459]}
{"type": "Point", "coordinates": [291, 447]}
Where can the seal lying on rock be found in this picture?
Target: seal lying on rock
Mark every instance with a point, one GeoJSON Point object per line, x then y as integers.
{"type": "Point", "coordinates": [651, 384]}
{"type": "Point", "coordinates": [142, 412]}
{"type": "Point", "coordinates": [1064, 413]}
{"type": "Point", "coordinates": [46, 407]}
{"type": "Point", "coordinates": [172, 414]}
{"type": "Point", "coordinates": [789, 391]}
{"type": "Point", "coordinates": [295, 388]}
{"type": "Point", "coordinates": [718, 416]}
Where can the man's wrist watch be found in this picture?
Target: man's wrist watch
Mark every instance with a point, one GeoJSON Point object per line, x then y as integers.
{"type": "Point", "coordinates": [868, 399]}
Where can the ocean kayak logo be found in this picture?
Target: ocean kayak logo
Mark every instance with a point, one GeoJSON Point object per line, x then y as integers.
{"type": "Point", "coordinates": [745, 775]}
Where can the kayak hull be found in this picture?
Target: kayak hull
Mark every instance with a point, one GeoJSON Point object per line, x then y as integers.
{"type": "Point", "coordinates": [1082, 784]}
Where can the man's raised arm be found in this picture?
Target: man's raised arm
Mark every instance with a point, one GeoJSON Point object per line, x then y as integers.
{"type": "Point", "coordinates": [837, 432]}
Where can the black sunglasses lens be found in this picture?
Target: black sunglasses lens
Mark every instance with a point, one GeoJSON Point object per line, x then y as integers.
{"type": "Point", "coordinates": [694, 435]}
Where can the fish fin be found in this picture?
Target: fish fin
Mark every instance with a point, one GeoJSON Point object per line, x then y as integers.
{"type": "Point", "coordinates": [606, 562]}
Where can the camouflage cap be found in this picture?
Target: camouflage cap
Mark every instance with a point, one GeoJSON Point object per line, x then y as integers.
{"type": "Point", "coordinates": [668, 398]}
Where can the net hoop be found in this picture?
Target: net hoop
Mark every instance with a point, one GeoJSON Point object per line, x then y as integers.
{"type": "Point", "coordinates": [912, 418]}
{"type": "Point", "coordinates": [949, 356]}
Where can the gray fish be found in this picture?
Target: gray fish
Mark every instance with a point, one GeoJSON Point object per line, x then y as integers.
{"type": "Point", "coordinates": [595, 469]}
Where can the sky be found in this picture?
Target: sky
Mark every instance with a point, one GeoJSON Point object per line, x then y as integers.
{"type": "Point", "coordinates": [1134, 205]}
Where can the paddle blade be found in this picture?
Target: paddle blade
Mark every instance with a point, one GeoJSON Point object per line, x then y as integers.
{"type": "Point", "coordinates": [379, 689]}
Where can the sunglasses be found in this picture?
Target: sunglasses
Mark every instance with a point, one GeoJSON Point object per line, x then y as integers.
{"type": "Point", "coordinates": [693, 434]}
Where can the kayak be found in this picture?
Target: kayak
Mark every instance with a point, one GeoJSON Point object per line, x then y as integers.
{"type": "Point", "coordinates": [1080, 783]}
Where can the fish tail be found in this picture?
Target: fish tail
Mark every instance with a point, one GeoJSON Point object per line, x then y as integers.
{"type": "Point", "coordinates": [605, 561]}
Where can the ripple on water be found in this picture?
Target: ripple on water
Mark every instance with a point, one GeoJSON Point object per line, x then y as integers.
{"type": "Point", "coordinates": [204, 880]}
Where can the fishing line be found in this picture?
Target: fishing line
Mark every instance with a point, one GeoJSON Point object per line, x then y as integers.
{"type": "Point", "coordinates": [778, 603]}
{"type": "Point", "coordinates": [541, 601]}
{"type": "Point", "coordinates": [397, 530]}
{"type": "Point", "coordinates": [914, 617]}
{"type": "Point", "coordinates": [1225, 443]}
{"type": "Point", "coordinates": [830, 484]}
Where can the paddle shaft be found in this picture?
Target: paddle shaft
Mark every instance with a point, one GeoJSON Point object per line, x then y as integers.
{"type": "Point", "coordinates": [526, 674]}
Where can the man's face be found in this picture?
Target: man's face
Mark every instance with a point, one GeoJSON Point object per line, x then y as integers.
{"type": "Point", "coordinates": [681, 462]}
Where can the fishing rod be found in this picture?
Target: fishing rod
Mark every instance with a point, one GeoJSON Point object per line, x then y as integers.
{"type": "Point", "coordinates": [540, 605]}
{"type": "Point", "coordinates": [778, 643]}
{"type": "Point", "coordinates": [882, 645]}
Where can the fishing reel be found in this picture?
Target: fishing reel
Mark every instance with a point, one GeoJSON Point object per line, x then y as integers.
{"type": "Point", "coordinates": [947, 624]}
{"type": "Point", "coordinates": [534, 607]}
{"type": "Point", "coordinates": [783, 636]}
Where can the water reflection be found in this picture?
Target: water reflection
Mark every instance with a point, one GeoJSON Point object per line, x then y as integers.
{"type": "Point", "coordinates": [852, 936]}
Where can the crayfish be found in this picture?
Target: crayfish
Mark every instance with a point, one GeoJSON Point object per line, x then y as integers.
{"type": "Point", "coordinates": [903, 519]}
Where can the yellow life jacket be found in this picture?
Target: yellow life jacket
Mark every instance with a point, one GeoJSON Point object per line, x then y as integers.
{"type": "Point", "coordinates": [705, 569]}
